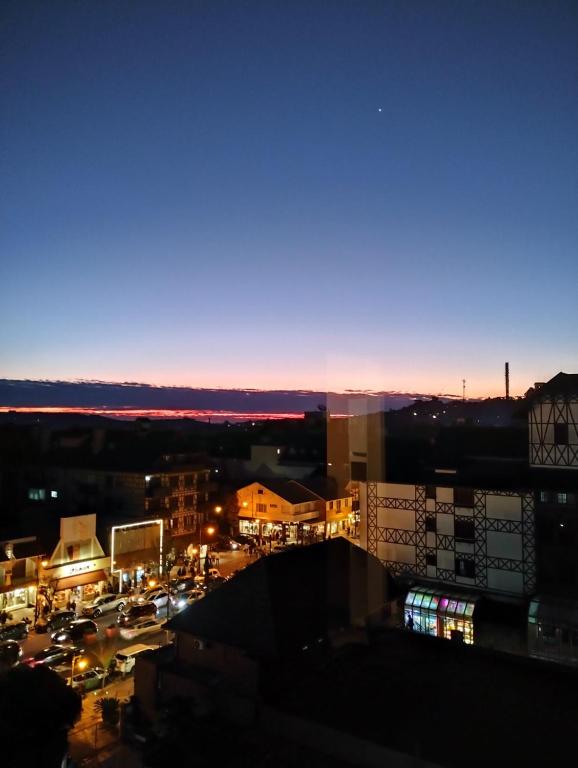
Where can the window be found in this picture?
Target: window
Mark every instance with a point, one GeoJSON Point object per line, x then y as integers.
{"type": "Point", "coordinates": [431, 558]}
{"type": "Point", "coordinates": [562, 498]}
{"type": "Point", "coordinates": [464, 529]}
{"type": "Point", "coordinates": [430, 523]}
{"type": "Point", "coordinates": [174, 481]}
{"type": "Point", "coordinates": [338, 504]}
{"type": "Point", "coordinates": [261, 508]}
{"type": "Point", "coordinates": [430, 492]}
{"type": "Point", "coordinates": [465, 568]}
{"type": "Point", "coordinates": [190, 500]}
{"type": "Point", "coordinates": [36, 494]}
{"type": "Point", "coordinates": [53, 494]}
{"type": "Point", "coordinates": [330, 505]}
{"type": "Point", "coordinates": [260, 492]}
{"type": "Point", "coordinates": [272, 506]}
{"type": "Point", "coordinates": [561, 434]}
{"type": "Point", "coordinates": [463, 497]}
{"type": "Point", "coordinates": [544, 497]}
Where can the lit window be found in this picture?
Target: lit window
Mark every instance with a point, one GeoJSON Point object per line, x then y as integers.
{"type": "Point", "coordinates": [53, 494]}
{"type": "Point", "coordinates": [36, 494]}
{"type": "Point", "coordinates": [562, 498]}
{"type": "Point", "coordinates": [544, 496]}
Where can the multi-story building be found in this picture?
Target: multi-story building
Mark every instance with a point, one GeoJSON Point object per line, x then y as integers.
{"type": "Point", "coordinates": [486, 517]}
{"type": "Point", "coordinates": [171, 487]}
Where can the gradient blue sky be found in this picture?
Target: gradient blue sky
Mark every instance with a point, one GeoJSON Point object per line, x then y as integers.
{"type": "Point", "coordinates": [207, 193]}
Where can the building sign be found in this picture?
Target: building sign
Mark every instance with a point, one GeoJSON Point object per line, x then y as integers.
{"type": "Point", "coordinates": [78, 569]}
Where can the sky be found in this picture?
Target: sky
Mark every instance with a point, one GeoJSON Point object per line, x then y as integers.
{"type": "Point", "coordinates": [301, 194]}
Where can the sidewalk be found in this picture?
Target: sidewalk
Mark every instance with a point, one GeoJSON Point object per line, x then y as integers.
{"type": "Point", "coordinates": [91, 743]}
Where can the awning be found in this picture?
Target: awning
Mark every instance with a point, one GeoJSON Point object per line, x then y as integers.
{"type": "Point", "coordinates": [440, 602]}
{"type": "Point", "coordinates": [79, 581]}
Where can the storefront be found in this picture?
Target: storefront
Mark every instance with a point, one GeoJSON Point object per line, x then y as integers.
{"type": "Point", "coordinates": [136, 553]}
{"type": "Point", "coordinates": [441, 614]}
{"type": "Point", "coordinates": [78, 568]}
{"type": "Point", "coordinates": [81, 581]}
{"type": "Point", "coordinates": [14, 598]}
{"type": "Point", "coordinates": [553, 629]}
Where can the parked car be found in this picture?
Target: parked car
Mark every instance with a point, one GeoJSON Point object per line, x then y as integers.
{"type": "Point", "coordinates": [181, 599]}
{"type": "Point", "coordinates": [84, 681]}
{"type": "Point", "coordinates": [60, 619]}
{"type": "Point", "coordinates": [54, 655]}
{"type": "Point", "coordinates": [212, 573]}
{"type": "Point", "coordinates": [104, 604]}
{"type": "Point", "coordinates": [10, 653]}
{"type": "Point", "coordinates": [74, 631]}
{"type": "Point", "coordinates": [182, 584]}
{"type": "Point", "coordinates": [135, 612]}
{"type": "Point", "coordinates": [142, 627]}
{"type": "Point", "coordinates": [16, 630]}
{"type": "Point", "coordinates": [157, 596]}
{"type": "Point", "coordinates": [126, 659]}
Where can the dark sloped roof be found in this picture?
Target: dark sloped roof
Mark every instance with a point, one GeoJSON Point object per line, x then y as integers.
{"type": "Point", "coordinates": [284, 601]}
{"type": "Point", "coordinates": [562, 384]}
{"type": "Point", "coordinates": [291, 491]}
{"type": "Point", "coordinates": [325, 487]}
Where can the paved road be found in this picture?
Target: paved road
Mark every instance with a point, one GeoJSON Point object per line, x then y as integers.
{"type": "Point", "coordinates": [105, 647]}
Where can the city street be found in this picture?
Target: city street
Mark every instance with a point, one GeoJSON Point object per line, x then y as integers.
{"type": "Point", "coordinates": [105, 647]}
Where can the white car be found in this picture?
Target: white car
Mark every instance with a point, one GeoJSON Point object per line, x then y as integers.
{"type": "Point", "coordinates": [188, 597]}
{"type": "Point", "coordinates": [142, 627]}
{"type": "Point", "coordinates": [104, 604]}
{"type": "Point", "coordinates": [159, 597]}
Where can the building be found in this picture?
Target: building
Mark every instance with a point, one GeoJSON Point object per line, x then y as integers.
{"type": "Point", "coordinates": [465, 512]}
{"type": "Point", "coordinates": [170, 487]}
{"type": "Point", "coordinates": [236, 644]}
{"type": "Point", "coordinates": [20, 568]}
{"type": "Point", "coordinates": [291, 511]}
{"type": "Point", "coordinates": [78, 567]}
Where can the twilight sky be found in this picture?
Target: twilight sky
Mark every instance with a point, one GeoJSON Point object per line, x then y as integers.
{"type": "Point", "coordinates": [290, 194]}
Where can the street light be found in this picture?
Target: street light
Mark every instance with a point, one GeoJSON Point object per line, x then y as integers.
{"type": "Point", "coordinates": [218, 509]}
{"type": "Point", "coordinates": [82, 664]}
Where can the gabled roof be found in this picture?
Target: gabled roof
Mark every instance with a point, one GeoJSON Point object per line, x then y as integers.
{"type": "Point", "coordinates": [323, 487]}
{"type": "Point", "coordinates": [282, 602]}
{"type": "Point", "coordinates": [293, 492]}
{"type": "Point", "coordinates": [563, 384]}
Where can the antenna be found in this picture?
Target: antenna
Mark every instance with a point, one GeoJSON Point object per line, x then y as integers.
{"type": "Point", "coordinates": [463, 390]}
{"type": "Point", "coordinates": [507, 371]}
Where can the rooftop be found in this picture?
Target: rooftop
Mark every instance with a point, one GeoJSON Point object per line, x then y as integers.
{"type": "Point", "coordinates": [282, 602]}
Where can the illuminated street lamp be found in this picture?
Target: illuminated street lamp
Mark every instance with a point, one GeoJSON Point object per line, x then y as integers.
{"type": "Point", "coordinates": [82, 664]}
{"type": "Point", "coordinates": [218, 509]}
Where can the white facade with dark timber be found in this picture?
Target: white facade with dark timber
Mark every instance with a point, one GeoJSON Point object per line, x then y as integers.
{"type": "Point", "coordinates": [553, 424]}
{"type": "Point", "coordinates": [482, 539]}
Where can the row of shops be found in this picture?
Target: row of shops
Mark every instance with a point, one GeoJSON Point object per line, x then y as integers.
{"type": "Point", "coordinates": [78, 570]}
{"type": "Point", "coordinates": [293, 533]}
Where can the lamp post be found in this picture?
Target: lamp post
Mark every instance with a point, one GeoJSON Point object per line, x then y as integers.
{"type": "Point", "coordinates": [81, 665]}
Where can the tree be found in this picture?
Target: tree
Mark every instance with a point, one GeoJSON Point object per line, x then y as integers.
{"type": "Point", "coordinates": [109, 708]}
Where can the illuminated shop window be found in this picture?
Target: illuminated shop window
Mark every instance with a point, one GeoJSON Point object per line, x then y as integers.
{"type": "Point", "coordinates": [443, 615]}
